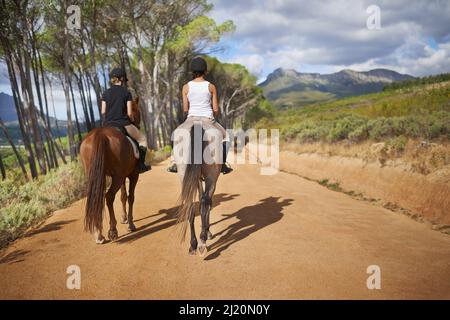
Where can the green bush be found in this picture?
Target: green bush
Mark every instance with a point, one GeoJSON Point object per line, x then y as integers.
{"type": "Point", "coordinates": [25, 204]}
{"type": "Point", "coordinates": [361, 133]}
{"type": "Point", "coordinates": [439, 124]}
{"type": "Point", "coordinates": [312, 134]}
{"type": "Point", "coordinates": [344, 126]}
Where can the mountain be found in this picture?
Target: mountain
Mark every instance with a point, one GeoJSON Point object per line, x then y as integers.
{"type": "Point", "coordinates": [287, 87]}
{"type": "Point", "coordinates": [9, 116]}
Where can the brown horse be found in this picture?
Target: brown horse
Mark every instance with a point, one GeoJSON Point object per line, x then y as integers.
{"type": "Point", "coordinates": [107, 152]}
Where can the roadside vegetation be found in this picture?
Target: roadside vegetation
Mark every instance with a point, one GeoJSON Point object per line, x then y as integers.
{"type": "Point", "coordinates": [414, 113]}
{"type": "Point", "coordinates": [26, 204]}
{"type": "Point", "coordinates": [410, 120]}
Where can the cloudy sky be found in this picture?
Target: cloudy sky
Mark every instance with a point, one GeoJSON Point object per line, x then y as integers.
{"type": "Point", "coordinates": [327, 36]}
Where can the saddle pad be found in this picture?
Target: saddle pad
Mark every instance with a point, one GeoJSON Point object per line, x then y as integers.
{"type": "Point", "coordinates": [135, 147]}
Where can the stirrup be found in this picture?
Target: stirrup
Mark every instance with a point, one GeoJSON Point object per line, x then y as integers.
{"type": "Point", "coordinates": [226, 168]}
{"type": "Point", "coordinates": [141, 162]}
{"type": "Point", "coordinates": [173, 168]}
{"type": "Point", "coordinates": [144, 168]}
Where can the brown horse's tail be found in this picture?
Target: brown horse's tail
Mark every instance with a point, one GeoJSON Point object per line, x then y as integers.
{"type": "Point", "coordinates": [191, 179]}
{"type": "Point", "coordinates": [96, 185]}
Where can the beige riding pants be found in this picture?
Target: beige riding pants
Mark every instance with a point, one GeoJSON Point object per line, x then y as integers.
{"type": "Point", "coordinates": [207, 122]}
{"type": "Point", "coordinates": [134, 132]}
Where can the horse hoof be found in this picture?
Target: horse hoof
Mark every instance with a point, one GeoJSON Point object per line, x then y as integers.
{"type": "Point", "coordinates": [202, 249]}
{"type": "Point", "coordinates": [192, 252]}
{"type": "Point", "coordinates": [209, 236]}
{"type": "Point", "coordinates": [100, 240]}
{"type": "Point", "coordinates": [131, 227]}
{"type": "Point", "coordinates": [113, 235]}
{"type": "Point", "coordinates": [124, 221]}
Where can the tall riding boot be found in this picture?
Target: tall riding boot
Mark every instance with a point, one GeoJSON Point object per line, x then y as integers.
{"type": "Point", "coordinates": [225, 168]}
{"type": "Point", "coordinates": [142, 166]}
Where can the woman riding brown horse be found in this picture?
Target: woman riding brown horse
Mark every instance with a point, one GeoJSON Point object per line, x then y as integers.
{"type": "Point", "coordinates": [108, 152]}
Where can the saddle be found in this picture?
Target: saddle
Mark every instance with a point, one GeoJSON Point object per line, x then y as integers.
{"type": "Point", "coordinates": [133, 142]}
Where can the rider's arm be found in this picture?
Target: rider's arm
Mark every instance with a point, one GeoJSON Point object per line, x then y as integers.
{"type": "Point", "coordinates": [130, 106]}
{"type": "Point", "coordinates": [130, 111]}
{"type": "Point", "coordinates": [103, 110]}
{"type": "Point", "coordinates": [215, 102]}
{"type": "Point", "coordinates": [185, 99]}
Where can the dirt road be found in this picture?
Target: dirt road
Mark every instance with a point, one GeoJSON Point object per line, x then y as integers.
{"type": "Point", "coordinates": [276, 237]}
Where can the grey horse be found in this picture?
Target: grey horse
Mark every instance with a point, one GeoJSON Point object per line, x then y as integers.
{"type": "Point", "coordinates": [198, 155]}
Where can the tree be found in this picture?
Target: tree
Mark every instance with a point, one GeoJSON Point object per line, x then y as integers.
{"type": "Point", "coordinates": [236, 89]}
{"type": "Point", "coordinates": [16, 152]}
{"type": "Point", "coordinates": [153, 40]}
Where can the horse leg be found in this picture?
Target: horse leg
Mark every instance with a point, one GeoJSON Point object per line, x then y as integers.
{"type": "Point", "coordinates": [124, 198]}
{"type": "Point", "coordinates": [205, 207]}
{"type": "Point", "coordinates": [210, 183]}
{"type": "Point", "coordinates": [99, 238]}
{"type": "Point", "coordinates": [110, 196]}
{"type": "Point", "coordinates": [133, 181]}
{"type": "Point", "coordinates": [193, 248]}
{"type": "Point", "coordinates": [209, 235]}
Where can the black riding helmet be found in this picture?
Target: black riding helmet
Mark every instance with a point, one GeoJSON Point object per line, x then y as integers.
{"type": "Point", "coordinates": [198, 64]}
{"type": "Point", "coordinates": [118, 73]}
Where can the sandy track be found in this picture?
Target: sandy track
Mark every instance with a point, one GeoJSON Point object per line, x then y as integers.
{"type": "Point", "coordinates": [275, 237]}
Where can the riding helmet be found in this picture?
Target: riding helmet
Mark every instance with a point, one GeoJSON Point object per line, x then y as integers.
{"type": "Point", "coordinates": [198, 64]}
{"type": "Point", "coordinates": [118, 73]}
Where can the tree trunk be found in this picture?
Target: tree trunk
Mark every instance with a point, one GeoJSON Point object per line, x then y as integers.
{"type": "Point", "coordinates": [10, 141]}
{"type": "Point", "coordinates": [2, 168]}
{"type": "Point", "coordinates": [66, 90]}
{"type": "Point", "coordinates": [87, 120]}
{"type": "Point", "coordinates": [89, 99]}
{"type": "Point", "coordinates": [75, 111]}
{"type": "Point", "coordinates": [58, 132]}
{"type": "Point", "coordinates": [28, 99]}
{"type": "Point", "coordinates": [20, 115]}
{"type": "Point", "coordinates": [47, 116]}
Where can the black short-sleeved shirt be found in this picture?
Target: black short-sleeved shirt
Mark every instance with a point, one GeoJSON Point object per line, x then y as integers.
{"type": "Point", "coordinates": [116, 99]}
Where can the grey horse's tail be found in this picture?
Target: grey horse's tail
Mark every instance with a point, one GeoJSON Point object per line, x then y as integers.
{"type": "Point", "coordinates": [191, 179]}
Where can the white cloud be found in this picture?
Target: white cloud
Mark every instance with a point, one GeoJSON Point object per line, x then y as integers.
{"type": "Point", "coordinates": [253, 62]}
{"type": "Point", "coordinates": [294, 33]}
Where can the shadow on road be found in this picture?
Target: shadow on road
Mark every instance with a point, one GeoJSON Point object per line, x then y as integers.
{"type": "Point", "coordinates": [251, 219]}
{"type": "Point", "coordinates": [14, 256]}
{"type": "Point", "coordinates": [168, 218]}
{"type": "Point", "coordinates": [49, 227]}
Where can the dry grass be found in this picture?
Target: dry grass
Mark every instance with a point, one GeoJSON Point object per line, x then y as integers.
{"type": "Point", "coordinates": [413, 155]}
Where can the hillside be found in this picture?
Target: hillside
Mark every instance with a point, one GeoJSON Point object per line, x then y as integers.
{"type": "Point", "coordinates": [287, 87]}
{"type": "Point", "coordinates": [421, 111]}
{"type": "Point", "coordinates": [9, 116]}
{"type": "Point", "coordinates": [410, 125]}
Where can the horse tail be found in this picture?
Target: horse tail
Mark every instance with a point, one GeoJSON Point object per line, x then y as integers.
{"type": "Point", "coordinates": [191, 179]}
{"type": "Point", "coordinates": [96, 185]}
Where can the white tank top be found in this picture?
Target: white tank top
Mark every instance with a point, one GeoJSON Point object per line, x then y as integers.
{"type": "Point", "coordinates": [199, 98]}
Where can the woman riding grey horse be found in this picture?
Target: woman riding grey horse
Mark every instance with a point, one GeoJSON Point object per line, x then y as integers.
{"type": "Point", "coordinates": [200, 101]}
{"type": "Point", "coordinates": [199, 153]}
